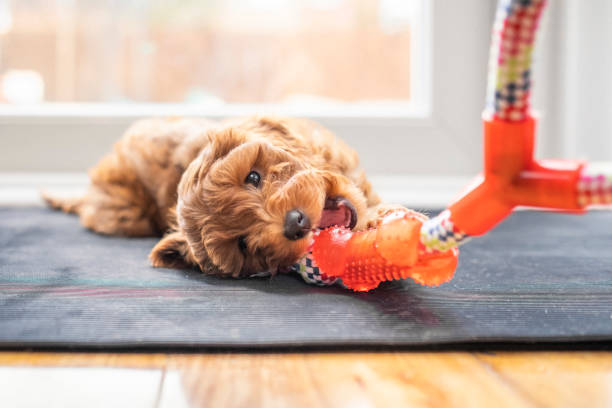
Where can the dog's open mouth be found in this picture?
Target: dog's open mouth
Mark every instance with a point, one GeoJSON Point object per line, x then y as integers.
{"type": "Point", "coordinates": [338, 211]}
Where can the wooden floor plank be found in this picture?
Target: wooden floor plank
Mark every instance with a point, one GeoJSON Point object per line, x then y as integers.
{"type": "Point", "coordinates": [84, 360]}
{"type": "Point", "coordinates": [559, 379]}
{"type": "Point", "coordinates": [354, 379]}
{"type": "Point", "coordinates": [534, 379]}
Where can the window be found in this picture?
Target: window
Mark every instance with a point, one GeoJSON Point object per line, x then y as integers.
{"type": "Point", "coordinates": [211, 53]}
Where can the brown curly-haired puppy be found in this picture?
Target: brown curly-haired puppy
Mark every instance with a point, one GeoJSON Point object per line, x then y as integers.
{"type": "Point", "coordinates": [234, 198]}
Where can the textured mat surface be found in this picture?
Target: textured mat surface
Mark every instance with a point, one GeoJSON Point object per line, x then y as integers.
{"type": "Point", "coordinates": [538, 277]}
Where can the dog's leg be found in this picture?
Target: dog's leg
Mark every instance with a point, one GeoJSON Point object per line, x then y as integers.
{"type": "Point", "coordinates": [108, 210]}
{"type": "Point", "coordinates": [376, 209]}
{"type": "Point", "coordinates": [68, 205]}
{"type": "Point", "coordinates": [113, 209]}
{"type": "Point", "coordinates": [379, 211]}
{"type": "Point", "coordinates": [116, 203]}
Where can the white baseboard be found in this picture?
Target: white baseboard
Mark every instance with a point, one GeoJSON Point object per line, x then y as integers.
{"type": "Point", "coordinates": [25, 188]}
{"type": "Point", "coordinates": [413, 191]}
{"type": "Point", "coordinates": [419, 191]}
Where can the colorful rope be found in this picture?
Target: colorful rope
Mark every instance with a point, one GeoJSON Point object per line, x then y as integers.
{"type": "Point", "coordinates": [509, 82]}
{"type": "Point", "coordinates": [310, 272]}
{"type": "Point", "coordinates": [440, 234]}
{"type": "Point", "coordinates": [595, 185]}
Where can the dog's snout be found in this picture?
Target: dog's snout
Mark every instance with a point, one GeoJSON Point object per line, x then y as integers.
{"type": "Point", "coordinates": [297, 225]}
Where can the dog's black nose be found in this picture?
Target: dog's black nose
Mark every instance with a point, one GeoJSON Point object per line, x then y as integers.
{"type": "Point", "coordinates": [297, 225]}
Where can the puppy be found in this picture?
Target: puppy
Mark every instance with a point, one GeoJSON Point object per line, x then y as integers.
{"type": "Point", "coordinates": [234, 199]}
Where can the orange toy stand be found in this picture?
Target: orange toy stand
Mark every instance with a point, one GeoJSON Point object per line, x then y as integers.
{"type": "Point", "coordinates": [513, 177]}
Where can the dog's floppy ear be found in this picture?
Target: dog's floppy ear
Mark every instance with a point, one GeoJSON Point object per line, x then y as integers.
{"type": "Point", "coordinates": [220, 143]}
{"type": "Point", "coordinates": [172, 252]}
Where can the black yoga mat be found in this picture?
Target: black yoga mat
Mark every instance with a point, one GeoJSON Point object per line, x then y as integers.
{"type": "Point", "coordinates": [539, 277]}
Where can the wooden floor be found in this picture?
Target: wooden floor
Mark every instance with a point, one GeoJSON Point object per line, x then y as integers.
{"type": "Point", "coordinates": [403, 379]}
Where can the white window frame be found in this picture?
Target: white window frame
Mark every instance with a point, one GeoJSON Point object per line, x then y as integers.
{"type": "Point", "coordinates": [439, 138]}
{"type": "Point", "coordinates": [573, 87]}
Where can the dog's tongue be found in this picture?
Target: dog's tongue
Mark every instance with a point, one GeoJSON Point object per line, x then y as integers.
{"type": "Point", "coordinates": [340, 216]}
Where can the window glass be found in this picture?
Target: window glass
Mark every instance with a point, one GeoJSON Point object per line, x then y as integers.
{"type": "Point", "coordinates": [206, 51]}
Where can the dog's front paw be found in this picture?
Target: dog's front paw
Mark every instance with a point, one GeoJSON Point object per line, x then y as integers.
{"type": "Point", "coordinates": [376, 214]}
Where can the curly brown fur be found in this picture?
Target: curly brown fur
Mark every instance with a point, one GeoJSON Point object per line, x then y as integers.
{"type": "Point", "coordinates": [186, 178]}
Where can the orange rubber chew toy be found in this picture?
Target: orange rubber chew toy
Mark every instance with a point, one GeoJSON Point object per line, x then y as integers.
{"type": "Point", "coordinates": [391, 251]}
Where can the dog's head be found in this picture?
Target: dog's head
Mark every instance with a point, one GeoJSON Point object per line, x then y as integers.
{"type": "Point", "coordinates": [251, 200]}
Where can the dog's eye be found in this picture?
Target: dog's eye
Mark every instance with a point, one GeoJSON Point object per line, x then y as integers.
{"type": "Point", "coordinates": [253, 178]}
{"type": "Point", "coordinates": [242, 245]}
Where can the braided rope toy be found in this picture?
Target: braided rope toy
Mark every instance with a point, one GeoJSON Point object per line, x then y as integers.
{"type": "Point", "coordinates": [405, 244]}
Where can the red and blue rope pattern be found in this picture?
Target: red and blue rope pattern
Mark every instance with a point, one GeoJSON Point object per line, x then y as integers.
{"type": "Point", "coordinates": [509, 83]}
{"type": "Point", "coordinates": [595, 185]}
{"type": "Point", "coordinates": [311, 273]}
{"type": "Point", "coordinates": [440, 234]}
